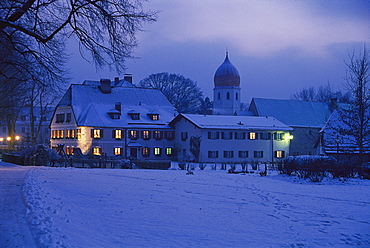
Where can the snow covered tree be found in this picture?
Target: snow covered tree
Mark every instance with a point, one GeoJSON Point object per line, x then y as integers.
{"type": "Point", "coordinates": [183, 93]}
{"type": "Point", "coordinates": [195, 146]}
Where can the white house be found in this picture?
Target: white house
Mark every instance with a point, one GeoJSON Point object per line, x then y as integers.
{"type": "Point", "coordinates": [114, 118]}
{"type": "Point", "coordinates": [232, 138]}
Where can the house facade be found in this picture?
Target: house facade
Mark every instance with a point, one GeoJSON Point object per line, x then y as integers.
{"type": "Point", "coordinates": [306, 119]}
{"type": "Point", "coordinates": [232, 138]}
{"type": "Point", "coordinates": [114, 118]}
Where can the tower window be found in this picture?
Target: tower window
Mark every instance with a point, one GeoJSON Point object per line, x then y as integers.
{"type": "Point", "coordinates": [219, 95]}
{"type": "Point", "coordinates": [228, 96]}
{"type": "Point", "coordinates": [236, 96]}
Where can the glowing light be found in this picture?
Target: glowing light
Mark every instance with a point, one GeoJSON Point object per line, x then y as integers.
{"type": "Point", "coordinates": [17, 137]}
{"type": "Point", "coordinates": [289, 137]}
{"type": "Point", "coordinates": [8, 138]}
{"type": "Point", "coordinates": [1, 139]}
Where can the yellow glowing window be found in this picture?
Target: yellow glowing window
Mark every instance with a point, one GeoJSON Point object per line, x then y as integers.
{"type": "Point", "coordinates": [252, 135]}
{"type": "Point", "coordinates": [157, 151]}
{"type": "Point", "coordinates": [97, 133]}
{"type": "Point", "coordinates": [146, 151]}
{"type": "Point", "coordinates": [134, 134]}
{"type": "Point", "coordinates": [97, 150]}
{"type": "Point", "coordinates": [78, 134]}
{"type": "Point", "coordinates": [117, 150]}
{"type": "Point", "coordinates": [146, 134]}
{"type": "Point", "coordinates": [169, 151]}
{"type": "Point", "coordinates": [279, 154]}
{"type": "Point", "coordinates": [118, 134]}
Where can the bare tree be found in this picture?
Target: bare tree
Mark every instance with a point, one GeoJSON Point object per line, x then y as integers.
{"type": "Point", "coordinates": [195, 147]}
{"type": "Point", "coordinates": [183, 93]}
{"type": "Point", "coordinates": [307, 94]}
{"type": "Point", "coordinates": [356, 117]}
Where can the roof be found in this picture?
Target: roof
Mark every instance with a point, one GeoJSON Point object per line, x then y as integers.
{"type": "Point", "coordinates": [91, 107]}
{"type": "Point", "coordinates": [227, 74]}
{"type": "Point", "coordinates": [294, 113]}
{"type": "Point", "coordinates": [234, 122]}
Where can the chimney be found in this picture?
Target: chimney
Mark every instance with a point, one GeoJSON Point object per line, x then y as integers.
{"type": "Point", "coordinates": [105, 87]}
{"type": "Point", "coordinates": [117, 106]}
{"type": "Point", "coordinates": [128, 78]}
{"type": "Point", "coordinates": [116, 81]}
{"type": "Point", "coordinates": [333, 104]}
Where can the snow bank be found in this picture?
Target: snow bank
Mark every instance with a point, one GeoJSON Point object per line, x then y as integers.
{"type": "Point", "coordinates": [148, 208]}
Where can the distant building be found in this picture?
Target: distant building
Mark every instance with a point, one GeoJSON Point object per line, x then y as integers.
{"type": "Point", "coordinates": [23, 133]}
{"type": "Point", "coordinates": [114, 118]}
{"type": "Point", "coordinates": [232, 138]}
{"type": "Point", "coordinates": [226, 92]}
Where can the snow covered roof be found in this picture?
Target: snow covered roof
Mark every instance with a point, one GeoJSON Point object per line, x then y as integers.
{"type": "Point", "coordinates": [234, 122]}
{"type": "Point", "coordinates": [91, 107]}
{"type": "Point", "coordinates": [292, 112]}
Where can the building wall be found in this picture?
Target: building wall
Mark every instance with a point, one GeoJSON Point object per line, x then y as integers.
{"type": "Point", "coordinates": [221, 104]}
{"type": "Point", "coordinates": [219, 144]}
{"type": "Point", "coordinates": [304, 141]}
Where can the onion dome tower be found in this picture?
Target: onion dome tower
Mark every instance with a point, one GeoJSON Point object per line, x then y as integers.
{"type": "Point", "coordinates": [226, 93]}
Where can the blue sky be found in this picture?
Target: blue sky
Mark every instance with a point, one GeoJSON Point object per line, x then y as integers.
{"type": "Point", "coordinates": [278, 46]}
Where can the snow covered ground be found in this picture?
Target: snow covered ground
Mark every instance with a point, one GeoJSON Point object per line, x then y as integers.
{"type": "Point", "coordinates": [148, 208]}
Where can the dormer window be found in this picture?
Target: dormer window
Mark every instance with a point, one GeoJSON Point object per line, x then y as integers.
{"type": "Point", "coordinates": [134, 115]}
{"type": "Point", "coordinates": [114, 114]}
{"type": "Point", "coordinates": [59, 118]}
{"type": "Point", "coordinates": [154, 117]}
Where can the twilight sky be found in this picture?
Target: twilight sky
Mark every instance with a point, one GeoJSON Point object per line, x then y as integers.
{"type": "Point", "coordinates": [278, 46]}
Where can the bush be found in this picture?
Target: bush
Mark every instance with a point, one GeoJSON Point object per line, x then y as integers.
{"type": "Point", "coordinates": [39, 154]}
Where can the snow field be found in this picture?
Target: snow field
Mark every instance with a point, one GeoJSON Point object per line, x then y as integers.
{"type": "Point", "coordinates": [149, 208]}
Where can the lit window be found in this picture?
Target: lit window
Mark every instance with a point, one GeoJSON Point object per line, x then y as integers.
{"type": "Point", "coordinates": [279, 154]}
{"type": "Point", "coordinates": [67, 150]}
{"type": "Point", "coordinates": [146, 151]}
{"type": "Point", "coordinates": [118, 151]}
{"type": "Point", "coordinates": [134, 134]}
{"type": "Point", "coordinates": [118, 134]}
{"type": "Point", "coordinates": [154, 117]}
{"type": "Point", "coordinates": [169, 151]}
{"type": "Point", "coordinates": [258, 154]}
{"type": "Point", "coordinates": [68, 133]}
{"type": "Point", "coordinates": [60, 134]}
{"type": "Point", "coordinates": [243, 154]}
{"type": "Point", "coordinates": [157, 151]}
{"type": "Point", "coordinates": [158, 135]}
{"type": "Point", "coordinates": [78, 134]}
{"type": "Point", "coordinates": [73, 133]}
{"type": "Point", "coordinates": [146, 134]}
{"type": "Point", "coordinates": [252, 135]}
{"type": "Point", "coordinates": [228, 154]}
{"type": "Point", "coordinates": [97, 133]}
{"type": "Point", "coordinates": [97, 150]}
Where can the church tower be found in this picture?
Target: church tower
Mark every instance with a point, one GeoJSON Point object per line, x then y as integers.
{"type": "Point", "coordinates": [226, 93]}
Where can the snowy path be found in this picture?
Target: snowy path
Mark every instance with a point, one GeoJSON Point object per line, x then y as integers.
{"type": "Point", "coordinates": [147, 208]}
{"type": "Point", "coordinates": [14, 229]}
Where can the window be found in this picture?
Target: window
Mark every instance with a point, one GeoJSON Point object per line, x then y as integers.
{"type": "Point", "coordinates": [68, 133]}
{"type": "Point", "coordinates": [117, 134]}
{"type": "Point", "coordinates": [72, 133]}
{"type": "Point", "coordinates": [134, 134]}
{"type": "Point", "coordinates": [169, 135]}
{"type": "Point", "coordinates": [226, 135]}
{"type": "Point", "coordinates": [184, 136]}
{"type": "Point", "coordinates": [97, 133]}
{"type": "Point", "coordinates": [239, 135]}
{"type": "Point", "coordinates": [154, 117]}
{"type": "Point", "coordinates": [23, 129]}
{"type": "Point", "coordinates": [60, 118]}
{"type": "Point", "coordinates": [134, 116]}
{"type": "Point", "coordinates": [213, 135]}
{"type": "Point", "coordinates": [258, 154]}
{"type": "Point", "coordinates": [145, 134]}
{"type": "Point", "coordinates": [212, 154]}
{"type": "Point", "coordinates": [146, 151]}
{"type": "Point", "coordinates": [68, 151]}
{"type": "Point", "coordinates": [118, 151]}
{"type": "Point", "coordinates": [157, 151]}
{"type": "Point", "coordinates": [115, 116]}
{"type": "Point", "coordinates": [265, 136]}
{"type": "Point", "coordinates": [69, 117]}
{"type": "Point", "coordinates": [279, 136]}
{"type": "Point", "coordinates": [236, 96]}
{"type": "Point", "coordinates": [228, 154]}
{"type": "Point", "coordinates": [228, 96]}
{"type": "Point", "coordinates": [169, 151]}
{"type": "Point", "coordinates": [157, 135]}
{"type": "Point", "coordinates": [253, 135]}
{"type": "Point", "coordinates": [60, 134]}
{"type": "Point", "coordinates": [218, 95]}
{"type": "Point", "coordinates": [243, 154]}
{"type": "Point", "coordinates": [78, 134]}
{"type": "Point", "coordinates": [279, 154]}
{"type": "Point", "coordinates": [97, 151]}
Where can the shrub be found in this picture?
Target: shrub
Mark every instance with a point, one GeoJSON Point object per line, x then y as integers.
{"type": "Point", "coordinates": [39, 154]}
